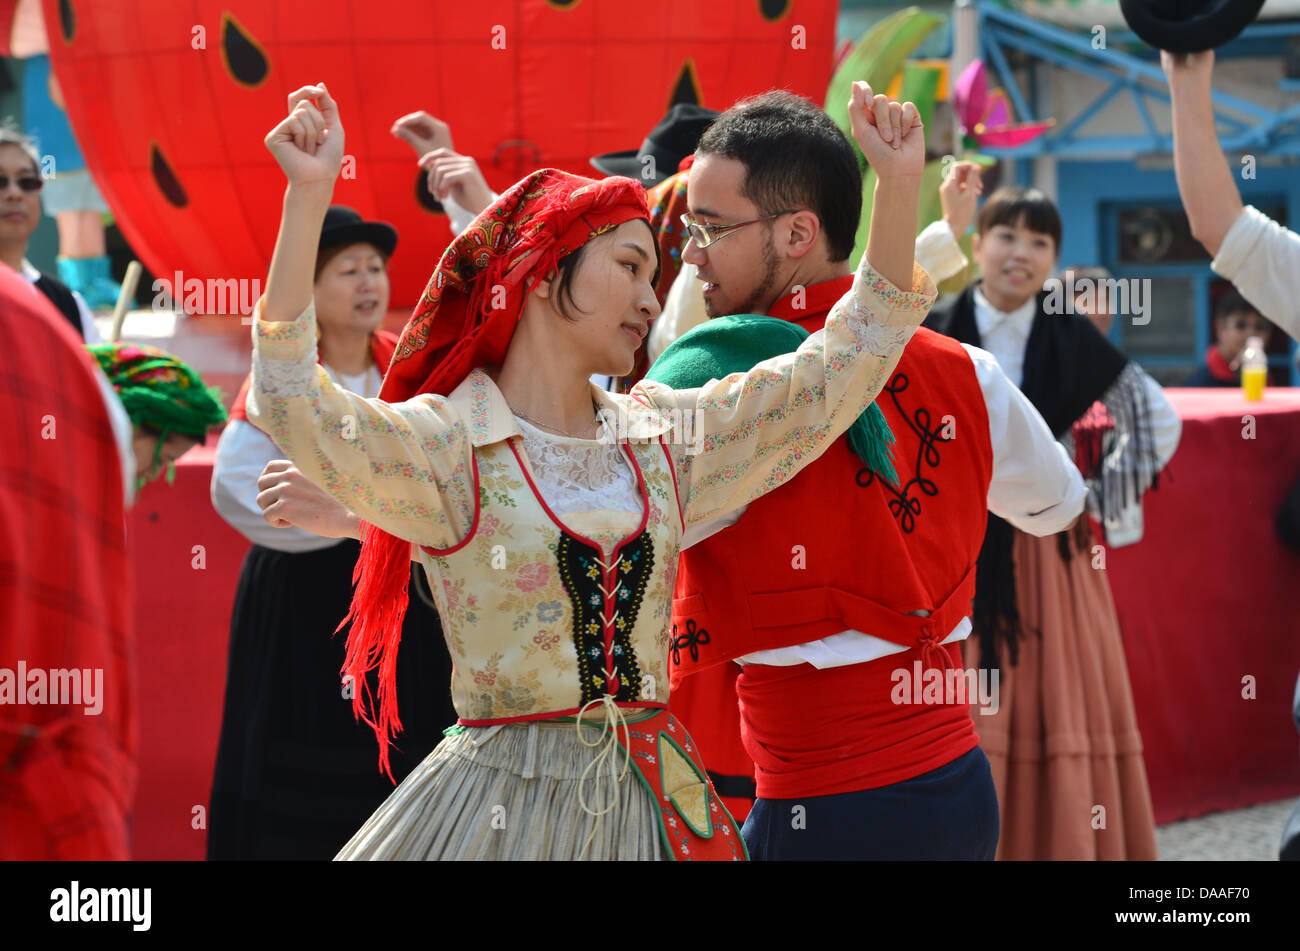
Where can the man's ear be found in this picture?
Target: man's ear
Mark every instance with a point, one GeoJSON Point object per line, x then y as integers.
{"type": "Point", "coordinates": [975, 243]}
{"type": "Point", "coordinates": [804, 229]}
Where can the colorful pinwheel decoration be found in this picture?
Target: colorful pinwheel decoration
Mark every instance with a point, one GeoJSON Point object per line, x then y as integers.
{"type": "Point", "coordinates": [985, 115]}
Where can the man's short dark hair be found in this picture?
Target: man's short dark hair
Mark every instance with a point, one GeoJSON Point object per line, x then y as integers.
{"type": "Point", "coordinates": [1011, 205]}
{"type": "Point", "coordinates": [1233, 303]}
{"type": "Point", "coordinates": [795, 156]}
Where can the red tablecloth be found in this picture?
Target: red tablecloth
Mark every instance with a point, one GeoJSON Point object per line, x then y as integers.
{"type": "Point", "coordinates": [1208, 599]}
{"type": "Point", "coordinates": [1205, 600]}
{"type": "Point", "coordinates": [186, 564]}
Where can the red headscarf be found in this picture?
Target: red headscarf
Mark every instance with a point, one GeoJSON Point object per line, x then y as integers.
{"type": "Point", "coordinates": [465, 320]}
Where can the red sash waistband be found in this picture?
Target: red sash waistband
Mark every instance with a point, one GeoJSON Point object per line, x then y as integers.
{"type": "Point", "coordinates": [817, 732]}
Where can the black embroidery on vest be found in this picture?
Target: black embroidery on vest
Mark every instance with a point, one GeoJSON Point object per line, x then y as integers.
{"type": "Point", "coordinates": [692, 640]}
{"type": "Point", "coordinates": [905, 506]}
{"type": "Point", "coordinates": [581, 574]}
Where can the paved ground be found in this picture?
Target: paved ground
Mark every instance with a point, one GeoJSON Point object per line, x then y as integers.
{"type": "Point", "coordinates": [1251, 834]}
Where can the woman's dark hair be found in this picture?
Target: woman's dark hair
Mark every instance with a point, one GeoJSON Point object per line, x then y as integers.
{"type": "Point", "coordinates": [327, 255]}
{"type": "Point", "coordinates": [568, 266]}
{"type": "Point", "coordinates": [1012, 205]}
{"type": "Point", "coordinates": [795, 156]}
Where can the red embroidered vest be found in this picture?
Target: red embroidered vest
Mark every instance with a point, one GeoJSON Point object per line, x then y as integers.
{"type": "Point", "coordinates": [837, 549]}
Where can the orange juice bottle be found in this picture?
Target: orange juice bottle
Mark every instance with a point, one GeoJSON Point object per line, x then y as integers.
{"type": "Point", "coordinates": [1254, 369]}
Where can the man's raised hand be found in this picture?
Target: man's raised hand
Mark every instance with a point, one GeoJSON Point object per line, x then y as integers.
{"type": "Point", "coordinates": [308, 143]}
{"type": "Point", "coordinates": [890, 134]}
{"type": "Point", "coordinates": [423, 132]}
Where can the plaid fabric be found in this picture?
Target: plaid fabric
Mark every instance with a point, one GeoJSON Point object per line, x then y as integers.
{"type": "Point", "coordinates": [67, 777]}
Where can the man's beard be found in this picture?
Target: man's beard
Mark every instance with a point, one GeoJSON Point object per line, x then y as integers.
{"type": "Point", "coordinates": [757, 301]}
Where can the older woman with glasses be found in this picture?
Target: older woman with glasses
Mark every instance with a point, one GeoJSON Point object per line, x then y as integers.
{"type": "Point", "coordinates": [20, 213]}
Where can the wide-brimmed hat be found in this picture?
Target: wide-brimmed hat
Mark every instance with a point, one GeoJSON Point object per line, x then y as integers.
{"type": "Point", "coordinates": [343, 226]}
{"type": "Point", "coordinates": [674, 138]}
{"type": "Point", "coordinates": [1189, 26]}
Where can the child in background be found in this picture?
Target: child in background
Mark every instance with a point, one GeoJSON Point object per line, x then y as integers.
{"type": "Point", "coordinates": [1236, 320]}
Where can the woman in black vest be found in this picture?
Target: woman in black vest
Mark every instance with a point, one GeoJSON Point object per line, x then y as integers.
{"type": "Point", "coordinates": [1064, 740]}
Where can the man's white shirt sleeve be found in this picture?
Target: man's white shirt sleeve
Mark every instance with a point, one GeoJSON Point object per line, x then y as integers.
{"type": "Point", "coordinates": [1262, 259]}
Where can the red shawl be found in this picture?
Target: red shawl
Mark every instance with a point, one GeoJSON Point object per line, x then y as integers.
{"type": "Point", "coordinates": [67, 776]}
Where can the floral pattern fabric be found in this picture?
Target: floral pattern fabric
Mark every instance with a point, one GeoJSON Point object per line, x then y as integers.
{"type": "Point", "coordinates": [442, 472]}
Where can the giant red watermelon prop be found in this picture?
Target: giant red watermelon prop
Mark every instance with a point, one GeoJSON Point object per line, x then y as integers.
{"type": "Point", "coordinates": [171, 100]}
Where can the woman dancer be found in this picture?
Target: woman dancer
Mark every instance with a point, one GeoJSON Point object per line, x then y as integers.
{"type": "Point", "coordinates": [547, 513]}
{"type": "Point", "coordinates": [295, 773]}
{"type": "Point", "coordinates": [1064, 744]}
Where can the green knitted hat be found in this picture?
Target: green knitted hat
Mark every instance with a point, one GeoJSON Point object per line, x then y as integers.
{"type": "Point", "coordinates": [726, 345]}
{"type": "Point", "coordinates": [160, 391]}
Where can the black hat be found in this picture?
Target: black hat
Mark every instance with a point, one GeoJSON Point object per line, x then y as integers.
{"type": "Point", "coordinates": [674, 138]}
{"type": "Point", "coordinates": [344, 226]}
{"type": "Point", "coordinates": [1189, 26]}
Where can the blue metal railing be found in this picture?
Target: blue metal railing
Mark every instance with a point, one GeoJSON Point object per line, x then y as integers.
{"type": "Point", "coordinates": [1000, 30]}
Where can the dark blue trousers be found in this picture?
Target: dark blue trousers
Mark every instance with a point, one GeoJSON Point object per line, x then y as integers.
{"type": "Point", "coordinates": [948, 813]}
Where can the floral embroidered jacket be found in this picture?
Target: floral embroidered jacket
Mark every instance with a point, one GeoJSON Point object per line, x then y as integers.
{"type": "Point", "coordinates": [541, 617]}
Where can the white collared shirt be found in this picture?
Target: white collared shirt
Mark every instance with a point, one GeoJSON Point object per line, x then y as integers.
{"type": "Point", "coordinates": [1005, 333]}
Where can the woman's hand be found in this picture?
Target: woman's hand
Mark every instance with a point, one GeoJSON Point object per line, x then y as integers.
{"type": "Point", "coordinates": [308, 144]}
{"type": "Point", "coordinates": [958, 195]}
{"type": "Point", "coordinates": [891, 135]}
{"type": "Point", "coordinates": [423, 132]}
{"type": "Point", "coordinates": [458, 176]}
{"type": "Point", "coordinates": [288, 500]}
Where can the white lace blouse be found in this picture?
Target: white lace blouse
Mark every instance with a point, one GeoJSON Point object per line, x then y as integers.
{"type": "Point", "coordinates": [579, 476]}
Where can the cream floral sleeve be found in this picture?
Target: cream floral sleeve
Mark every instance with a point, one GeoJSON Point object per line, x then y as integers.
{"type": "Point", "coordinates": [405, 467]}
{"type": "Point", "coordinates": [750, 432]}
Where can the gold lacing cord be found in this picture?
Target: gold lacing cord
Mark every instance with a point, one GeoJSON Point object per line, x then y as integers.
{"type": "Point", "coordinates": [604, 762]}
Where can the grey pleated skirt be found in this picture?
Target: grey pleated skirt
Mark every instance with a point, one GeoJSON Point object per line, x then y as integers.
{"type": "Point", "coordinates": [510, 792]}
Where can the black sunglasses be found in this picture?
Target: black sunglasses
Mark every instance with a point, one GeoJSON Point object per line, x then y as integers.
{"type": "Point", "coordinates": [26, 183]}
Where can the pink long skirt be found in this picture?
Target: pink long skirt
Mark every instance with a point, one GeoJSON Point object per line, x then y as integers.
{"type": "Point", "coordinates": [1064, 744]}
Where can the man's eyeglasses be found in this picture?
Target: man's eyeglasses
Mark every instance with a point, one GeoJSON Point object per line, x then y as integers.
{"type": "Point", "coordinates": [705, 235]}
{"type": "Point", "coordinates": [26, 183]}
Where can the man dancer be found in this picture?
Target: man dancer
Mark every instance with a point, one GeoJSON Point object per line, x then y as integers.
{"type": "Point", "coordinates": [849, 765]}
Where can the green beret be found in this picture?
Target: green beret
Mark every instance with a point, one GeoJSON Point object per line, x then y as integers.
{"type": "Point", "coordinates": [726, 345]}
